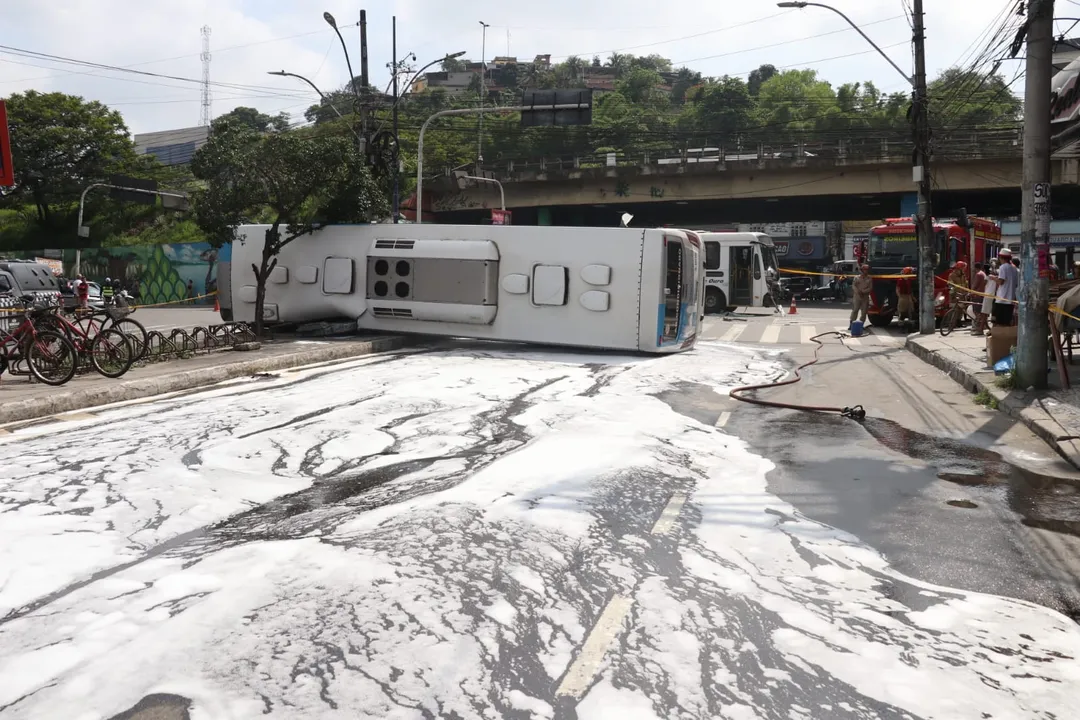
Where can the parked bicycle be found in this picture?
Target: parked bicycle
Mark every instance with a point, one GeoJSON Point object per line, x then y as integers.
{"type": "Point", "coordinates": [91, 322]}
{"type": "Point", "coordinates": [110, 352]}
{"type": "Point", "coordinates": [953, 318]}
{"type": "Point", "coordinates": [48, 355]}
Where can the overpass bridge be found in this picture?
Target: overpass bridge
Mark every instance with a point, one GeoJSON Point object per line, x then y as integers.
{"type": "Point", "coordinates": [866, 177]}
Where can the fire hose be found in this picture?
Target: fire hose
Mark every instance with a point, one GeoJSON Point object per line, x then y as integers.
{"type": "Point", "coordinates": [855, 413]}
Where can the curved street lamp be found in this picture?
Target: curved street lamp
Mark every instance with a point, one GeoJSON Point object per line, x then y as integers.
{"type": "Point", "coordinates": [282, 73]}
{"type": "Point", "coordinates": [800, 4]}
{"type": "Point", "coordinates": [352, 78]}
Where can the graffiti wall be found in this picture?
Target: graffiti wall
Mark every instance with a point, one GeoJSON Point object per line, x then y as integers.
{"type": "Point", "coordinates": [162, 273]}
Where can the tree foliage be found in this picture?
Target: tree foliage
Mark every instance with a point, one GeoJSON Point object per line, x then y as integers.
{"type": "Point", "coordinates": [300, 181]}
{"type": "Point", "coordinates": [257, 121]}
{"type": "Point", "coordinates": [60, 144]}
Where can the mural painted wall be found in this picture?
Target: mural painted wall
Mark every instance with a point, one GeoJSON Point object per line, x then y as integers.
{"type": "Point", "coordinates": [161, 271]}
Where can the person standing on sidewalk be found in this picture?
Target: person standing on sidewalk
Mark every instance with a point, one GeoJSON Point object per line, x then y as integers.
{"type": "Point", "coordinates": [1008, 279]}
{"type": "Point", "coordinates": [862, 287]}
{"type": "Point", "coordinates": [905, 298]}
{"type": "Point", "coordinates": [978, 285]}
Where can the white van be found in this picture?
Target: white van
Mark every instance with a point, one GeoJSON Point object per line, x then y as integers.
{"type": "Point", "coordinates": [740, 270]}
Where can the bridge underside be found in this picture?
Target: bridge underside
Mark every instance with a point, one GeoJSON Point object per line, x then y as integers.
{"type": "Point", "coordinates": [774, 193]}
{"type": "Point", "coordinates": [702, 213]}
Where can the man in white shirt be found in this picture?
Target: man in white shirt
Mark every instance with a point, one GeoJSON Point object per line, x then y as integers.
{"type": "Point", "coordinates": [1008, 280]}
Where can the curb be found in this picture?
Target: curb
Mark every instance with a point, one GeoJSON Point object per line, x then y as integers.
{"type": "Point", "coordinates": [1038, 421]}
{"type": "Point", "coordinates": [58, 403]}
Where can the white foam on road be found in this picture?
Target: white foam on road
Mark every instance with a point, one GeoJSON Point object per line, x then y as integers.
{"type": "Point", "coordinates": [445, 590]}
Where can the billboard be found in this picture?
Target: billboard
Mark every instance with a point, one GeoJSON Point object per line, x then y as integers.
{"type": "Point", "coordinates": [7, 172]}
{"type": "Point", "coordinates": [804, 248]}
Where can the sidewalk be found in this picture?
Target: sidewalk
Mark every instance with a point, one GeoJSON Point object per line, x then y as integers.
{"type": "Point", "coordinates": [1052, 414]}
{"type": "Point", "coordinates": [22, 400]}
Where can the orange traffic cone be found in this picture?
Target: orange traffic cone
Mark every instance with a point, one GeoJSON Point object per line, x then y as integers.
{"type": "Point", "coordinates": [793, 310]}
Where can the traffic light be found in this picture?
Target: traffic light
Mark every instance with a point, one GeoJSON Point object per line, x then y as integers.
{"type": "Point", "coordinates": [541, 110]}
{"type": "Point", "coordinates": [7, 172]}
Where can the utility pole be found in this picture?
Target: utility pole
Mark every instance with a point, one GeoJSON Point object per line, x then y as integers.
{"type": "Point", "coordinates": [1031, 342]}
{"type": "Point", "coordinates": [924, 222]}
{"type": "Point", "coordinates": [365, 98]}
{"type": "Point", "coordinates": [397, 158]}
{"type": "Point", "coordinates": [483, 91]}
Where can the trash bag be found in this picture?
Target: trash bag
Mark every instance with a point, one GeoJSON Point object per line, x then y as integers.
{"type": "Point", "coordinates": [1005, 365]}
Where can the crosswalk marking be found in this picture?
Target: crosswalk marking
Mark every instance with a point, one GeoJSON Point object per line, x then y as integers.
{"type": "Point", "coordinates": [800, 334]}
{"type": "Point", "coordinates": [733, 334]}
{"type": "Point", "coordinates": [850, 341]}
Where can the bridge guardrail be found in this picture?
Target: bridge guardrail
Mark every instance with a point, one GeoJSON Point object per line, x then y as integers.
{"type": "Point", "coordinates": [994, 143]}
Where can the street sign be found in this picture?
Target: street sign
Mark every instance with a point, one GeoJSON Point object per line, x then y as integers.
{"type": "Point", "coordinates": [542, 112]}
{"type": "Point", "coordinates": [7, 171]}
{"type": "Point", "coordinates": [500, 217]}
{"type": "Point", "coordinates": [118, 193]}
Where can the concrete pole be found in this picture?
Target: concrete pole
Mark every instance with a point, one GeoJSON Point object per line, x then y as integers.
{"type": "Point", "coordinates": [924, 221]}
{"type": "Point", "coordinates": [483, 91]}
{"type": "Point", "coordinates": [397, 157]}
{"type": "Point", "coordinates": [1032, 335]}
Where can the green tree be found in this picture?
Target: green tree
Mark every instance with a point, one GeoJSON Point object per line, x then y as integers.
{"type": "Point", "coordinates": [59, 145]}
{"type": "Point", "coordinates": [454, 64]}
{"type": "Point", "coordinates": [723, 106]}
{"type": "Point", "coordinates": [300, 182]}
{"type": "Point", "coordinates": [257, 121]}
{"type": "Point", "coordinates": [964, 98]}
{"type": "Point", "coordinates": [759, 77]}
{"type": "Point", "coordinates": [793, 102]}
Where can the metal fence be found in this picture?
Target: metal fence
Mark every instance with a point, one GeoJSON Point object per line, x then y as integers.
{"type": "Point", "coordinates": [996, 143]}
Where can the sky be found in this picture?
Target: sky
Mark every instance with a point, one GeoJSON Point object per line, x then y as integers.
{"type": "Point", "coordinates": [249, 38]}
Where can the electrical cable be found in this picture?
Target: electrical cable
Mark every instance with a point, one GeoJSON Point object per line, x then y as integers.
{"type": "Point", "coordinates": [855, 413]}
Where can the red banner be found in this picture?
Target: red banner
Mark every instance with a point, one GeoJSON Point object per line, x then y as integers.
{"type": "Point", "coordinates": [7, 172]}
{"type": "Point", "coordinates": [500, 217]}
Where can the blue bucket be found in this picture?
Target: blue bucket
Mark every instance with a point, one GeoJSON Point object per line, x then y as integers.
{"type": "Point", "coordinates": [856, 328]}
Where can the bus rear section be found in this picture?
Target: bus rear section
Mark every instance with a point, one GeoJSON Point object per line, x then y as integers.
{"type": "Point", "coordinates": [741, 270]}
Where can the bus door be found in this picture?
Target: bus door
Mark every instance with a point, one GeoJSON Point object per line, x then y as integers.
{"type": "Point", "coordinates": [740, 272]}
{"type": "Point", "coordinates": [682, 290]}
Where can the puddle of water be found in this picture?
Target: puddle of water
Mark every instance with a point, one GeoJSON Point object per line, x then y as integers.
{"type": "Point", "coordinates": [1042, 501]}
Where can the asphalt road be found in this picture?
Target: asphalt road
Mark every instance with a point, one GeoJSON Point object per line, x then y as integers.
{"type": "Point", "coordinates": [171, 317]}
{"type": "Point", "coordinates": [904, 479]}
{"type": "Point", "coordinates": [473, 531]}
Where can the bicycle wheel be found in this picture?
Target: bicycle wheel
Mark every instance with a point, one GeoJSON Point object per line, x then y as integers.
{"type": "Point", "coordinates": [951, 320]}
{"type": "Point", "coordinates": [111, 353]}
{"type": "Point", "coordinates": [52, 358]}
{"type": "Point", "coordinates": [89, 323]}
{"type": "Point", "coordinates": [136, 333]}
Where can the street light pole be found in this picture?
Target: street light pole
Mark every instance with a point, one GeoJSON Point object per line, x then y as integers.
{"type": "Point", "coordinates": [362, 135]}
{"type": "Point", "coordinates": [463, 111]}
{"type": "Point", "coordinates": [397, 159]}
{"type": "Point", "coordinates": [483, 91]}
{"type": "Point", "coordinates": [282, 73]}
{"type": "Point", "coordinates": [924, 222]}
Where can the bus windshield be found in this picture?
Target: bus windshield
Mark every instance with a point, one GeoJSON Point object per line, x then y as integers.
{"type": "Point", "coordinates": [768, 259]}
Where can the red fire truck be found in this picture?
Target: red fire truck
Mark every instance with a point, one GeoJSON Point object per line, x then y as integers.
{"type": "Point", "coordinates": [893, 246]}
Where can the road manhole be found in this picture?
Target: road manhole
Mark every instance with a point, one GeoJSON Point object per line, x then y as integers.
{"type": "Point", "coordinates": [961, 504]}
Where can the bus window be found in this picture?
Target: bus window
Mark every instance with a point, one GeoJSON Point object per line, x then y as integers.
{"type": "Point", "coordinates": [757, 265]}
{"type": "Point", "coordinates": [673, 289]}
{"type": "Point", "coordinates": [712, 256]}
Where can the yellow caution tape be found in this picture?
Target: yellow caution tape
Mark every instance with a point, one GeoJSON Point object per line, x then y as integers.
{"type": "Point", "coordinates": [133, 307]}
{"type": "Point", "coordinates": [843, 276]}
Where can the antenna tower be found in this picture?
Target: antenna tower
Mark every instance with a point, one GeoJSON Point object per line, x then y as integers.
{"type": "Point", "coordinates": [205, 76]}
